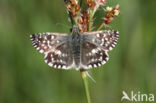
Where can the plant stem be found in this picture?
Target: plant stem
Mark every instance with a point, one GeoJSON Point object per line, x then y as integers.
{"type": "Point", "coordinates": [91, 15]}
{"type": "Point", "coordinates": [90, 19]}
{"type": "Point", "coordinates": [84, 78]}
{"type": "Point", "coordinates": [100, 27]}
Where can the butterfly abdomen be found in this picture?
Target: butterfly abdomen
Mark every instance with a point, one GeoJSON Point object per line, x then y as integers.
{"type": "Point", "coordinates": [76, 55]}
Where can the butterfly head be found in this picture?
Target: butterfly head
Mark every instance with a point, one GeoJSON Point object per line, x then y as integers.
{"type": "Point", "coordinates": [75, 29]}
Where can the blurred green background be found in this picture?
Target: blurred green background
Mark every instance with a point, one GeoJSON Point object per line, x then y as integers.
{"type": "Point", "coordinates": [25, 78]}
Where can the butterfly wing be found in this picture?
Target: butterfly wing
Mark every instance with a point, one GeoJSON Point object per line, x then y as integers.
{"type": "Point", "coordinates": [92, 56]}
{"type": "Point", "coordinates": [95, 47]}
{"type": "Point", "coordinates": [106, 39]}
{"type": "Point", "coordinates": [56, 48]}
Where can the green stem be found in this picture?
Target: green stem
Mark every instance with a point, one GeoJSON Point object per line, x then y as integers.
{"type": "Point", "coordinates": [84, 78]}
{"type": "Point", "coordinates": [90, 19]}
{"type": "Point", "coordinates": [100, 27]}
{"type": "Point", "coordinates": [91, 15]}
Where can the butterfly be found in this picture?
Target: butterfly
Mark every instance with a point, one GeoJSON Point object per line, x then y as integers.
{"type": "Point", "coordinates": [78, 50]}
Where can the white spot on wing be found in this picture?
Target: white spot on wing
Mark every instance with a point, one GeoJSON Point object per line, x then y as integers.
{"type": "Point", "coordinates": [52, 59]}
{"type": "Point", "coordinates": [92, 60]}
{"type": "Point", "coordinates": [100, 59]}
{"type": "Point", "coordinates": [59, 66]}
{"type": "Point", "coordinates": [57, 41]}
{"type": "Point", "coordinates": [90, 66]}
{"type": "Point", "coordinates": [98, 35]}
{"type": "Point", "coordinates": [58, 52]}
{"type": "Point", "coordinates": [103, 62]}
{"type": "Point", "coordinates": [44, 41]}
{"type": "Point", "coordinates": [89, 54]}
{"type": "Point", "coordinates": [55, 66]}
{"type": "Point", "coordinates": [64, 67]}
{"type": "Point", "coordinates": [43, 45]}
{"type": "Point", "coordinates": [46, 61]}
{"type": "Point", "coordinates": [107, 58]}
{"type": "Point", "coordinates": [38, 48]}
{"type": "Point", "coordinates": [52, 37]}
{"type": "Point", "coordinates": [106, 39]}
{"type": "Point", "coordinates": [94, 51]}
{"type": "Point", "coordinates": [99, 64]}
{"type": "Point", "coordinates": [110, 48]}
{"type": "Point", "coordinates": [48, 33]}
{"type": "Point", "coordinates": [95, 65]}
{"type": "Point", "coordinates": [35, 46]}
{"type": "Point", "coordinates": [93, 40]}
{"type": "Point", "coordinates": [41, 51]}
{"type": "Point", "coordinates": [48, 42]}
{"type": "Point", "coordinates": [113, 45]}
{"type": "Point", "coordinates": [50, 64]}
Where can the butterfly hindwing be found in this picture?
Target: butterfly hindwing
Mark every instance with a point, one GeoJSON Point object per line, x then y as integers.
{"type": "Point", "coordinates": [92, 56]}
{"type": "Point", "coordinates": [60, 57]}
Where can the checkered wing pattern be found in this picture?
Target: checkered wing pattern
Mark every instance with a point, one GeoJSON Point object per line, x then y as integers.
{"type": "Point", "coordinates": [106, 39]}
{"type": "Point", "coordinates": [92, 56]}
{"type": "Point", "coordinates": [95, 47]}
{"type": "Point", "coordinates": [54, 46]}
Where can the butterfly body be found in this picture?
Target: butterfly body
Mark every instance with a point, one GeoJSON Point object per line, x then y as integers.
{"type": "Point", "coordinates": [75, 41]}
{"type": "Point", "coordinates": [77, 50]}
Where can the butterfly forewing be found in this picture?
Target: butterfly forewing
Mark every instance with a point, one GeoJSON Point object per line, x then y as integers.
{"type": "Point", "coordinates": [44, 42]}
{"type": "Point", "coordinates": [106, 39]}
{"type": "Point", "coordinates": [54, 46]}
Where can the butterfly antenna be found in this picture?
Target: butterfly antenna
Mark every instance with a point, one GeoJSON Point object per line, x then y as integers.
{"type": "Point", "coordinates": [88, 75]}
{"type": "Point", "coordinates": [63, 25]}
